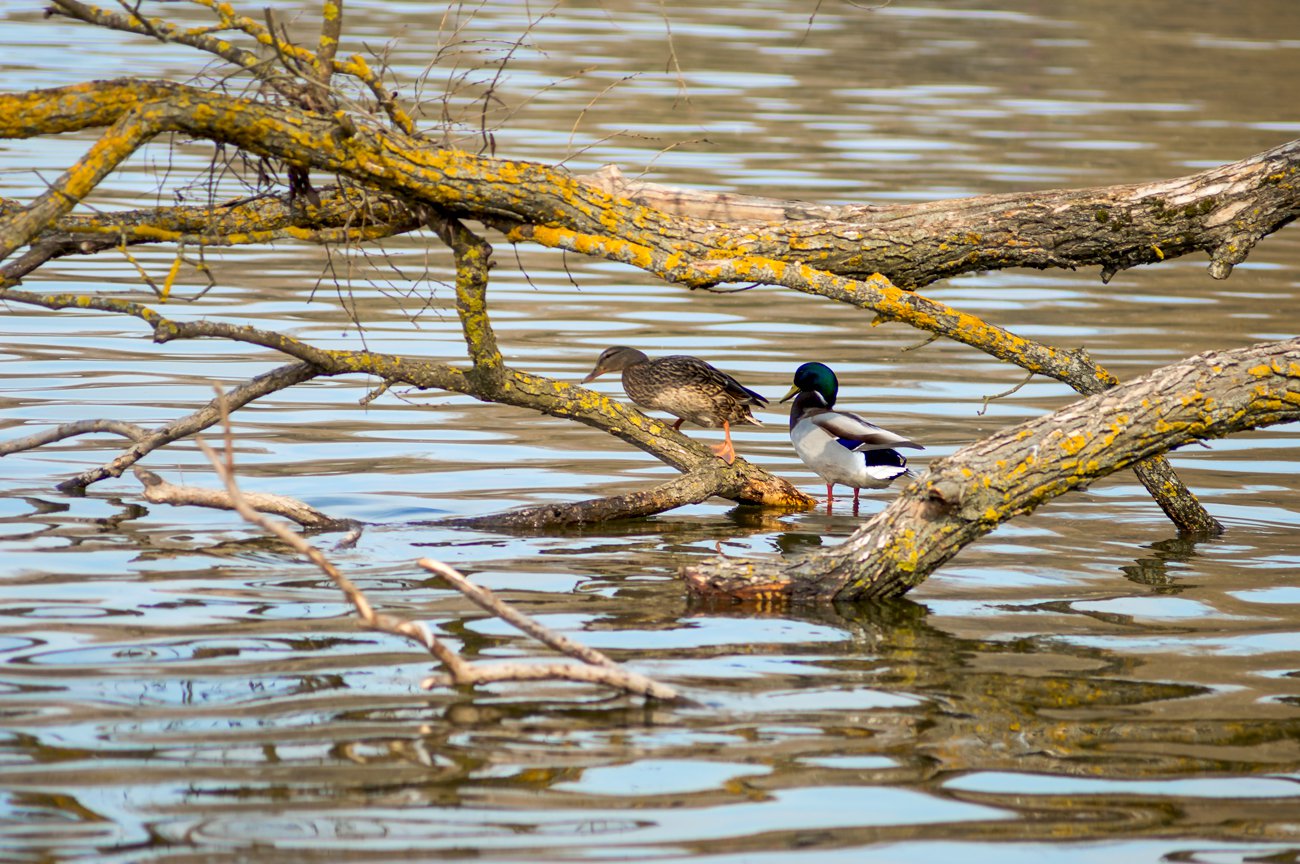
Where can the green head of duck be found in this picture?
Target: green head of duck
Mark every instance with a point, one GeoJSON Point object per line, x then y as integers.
{"type": "Point", "coordinates": [816, 378]}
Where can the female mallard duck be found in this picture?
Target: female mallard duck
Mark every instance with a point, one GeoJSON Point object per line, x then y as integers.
{"type": "Point", "coordinates": [839, 446]}
{"type": "Point", "coordinates": [686, 387]}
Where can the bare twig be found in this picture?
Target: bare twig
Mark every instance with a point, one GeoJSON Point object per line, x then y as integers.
{"type": "Point", "coordinates": [933, 337]}
{"type": "Point", "coordinates": [1004, 393]}
{"type": "Point", "coordinates": [159, 491]}
{"type": "Point", "coordinates": [374, 394]}
{"type": "Point", "coordinates": [202, 39]}
{"type": "Point", "coordinates": [69, 430]}
{"type": "Point", "coordinates": [598, 668]}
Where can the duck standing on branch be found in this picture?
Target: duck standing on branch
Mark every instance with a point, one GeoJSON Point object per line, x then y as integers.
{"type": "Point", "coordinates": [839, 446]}
{"type": "Point", "coordinates": [686, 387]}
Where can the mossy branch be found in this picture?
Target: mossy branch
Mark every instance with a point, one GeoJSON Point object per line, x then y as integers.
{"type": "Point", "coordinates": [122, 138]}
{"type": "Point", "coordinates": [741, 481]}
{"type": "Point", "coordinates": [339, 215]}
{"type": "Point", "coordinates": [1231, 206]}
{"type": "Point", "coordinates": [495, 381]}
{"type": "Point", "coordinates": [1223, 211]}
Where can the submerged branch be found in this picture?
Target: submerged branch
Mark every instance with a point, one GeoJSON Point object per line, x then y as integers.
{"type": "Point", "coordinates": [597, 668]}
{"type": "Point", "coordinates": [686, 489]}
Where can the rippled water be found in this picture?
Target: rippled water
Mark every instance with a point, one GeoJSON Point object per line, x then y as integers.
{"type": "Point", "coordinates": [1081, 685]}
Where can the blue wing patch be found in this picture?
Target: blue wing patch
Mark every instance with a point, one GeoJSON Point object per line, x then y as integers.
{"type": "Point", "coordinates": [886, 457]}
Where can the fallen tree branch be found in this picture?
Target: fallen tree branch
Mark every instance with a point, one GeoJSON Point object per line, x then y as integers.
{"type": "Point", "coordinates": [1223, 211]}
{"type": "Point", "coordinates": [145, 441]}
{"type": "Point", "coordinates": [71, 430]}
{"type": "Point", "coordinates": [127, 133]}
{"type": "Point", "coordinates": [964, 496]}
{"type": "Point", "coordinates": [159, 491]}
{"type": "Point", "coordinates": [680, 491]}
{"type": "Point", "coordinates": [741, 481]}
{"type": "Point", "coordinates": [596, 668]}
{"type": "Point", "coordinates": [338, 215]}
{"type": "Point", "coordinates": [495, 381]}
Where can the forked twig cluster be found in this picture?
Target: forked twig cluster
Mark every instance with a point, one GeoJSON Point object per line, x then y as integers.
{"type": "Point", "coordinates": [593, 668]}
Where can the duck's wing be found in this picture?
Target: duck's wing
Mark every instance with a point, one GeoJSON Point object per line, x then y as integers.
{"type": "Point", "coordinates": [685, 368]}
{"type": "Point", "coordinates": [855, 433]}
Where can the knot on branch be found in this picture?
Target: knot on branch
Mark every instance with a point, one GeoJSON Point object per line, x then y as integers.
{"type": "Point", "coordinates": [949, 498]}
{"type": "Point", "coordinates": [940, 500]}
{"type": "Point", "coordinates": [165, 330]}
{"type": "Point", "coordinates": [1231, 252]}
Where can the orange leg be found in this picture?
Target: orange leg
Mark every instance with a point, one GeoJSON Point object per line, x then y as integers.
{"type": "Point", "coordinates": [726, 450]}
{"type": "Point", "coordinates": [830, 496]}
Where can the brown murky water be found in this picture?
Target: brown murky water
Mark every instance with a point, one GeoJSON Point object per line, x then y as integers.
{"type": "Point", "coordinates": [1081, 685]}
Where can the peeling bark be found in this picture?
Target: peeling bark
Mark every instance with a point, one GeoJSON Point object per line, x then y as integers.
{"type": "Point", "coordinates": [1222, 211]}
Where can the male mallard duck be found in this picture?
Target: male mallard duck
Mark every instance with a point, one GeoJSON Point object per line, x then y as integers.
{"type": "Point", "coordinates": [686, 387]}
{"type": "Point", "coordinates": [841, 447]}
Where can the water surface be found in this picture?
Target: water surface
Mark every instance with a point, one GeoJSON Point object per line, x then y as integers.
{"type": "Point", "coordinates": [1082, 684]}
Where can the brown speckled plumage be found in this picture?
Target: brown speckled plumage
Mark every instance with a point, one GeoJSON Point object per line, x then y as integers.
{"type": "Point", "coordinates": [686, 387]}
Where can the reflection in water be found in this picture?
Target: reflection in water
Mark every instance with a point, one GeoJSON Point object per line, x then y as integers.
{"type": "Point", "coordinates": [965, 755]}
{"type": "Point", "coordinates": [794, 542]}
{"type": "Point", "coordinates": [1168, 555]}
{"type": "Point", "coordinates": [174, 689]}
